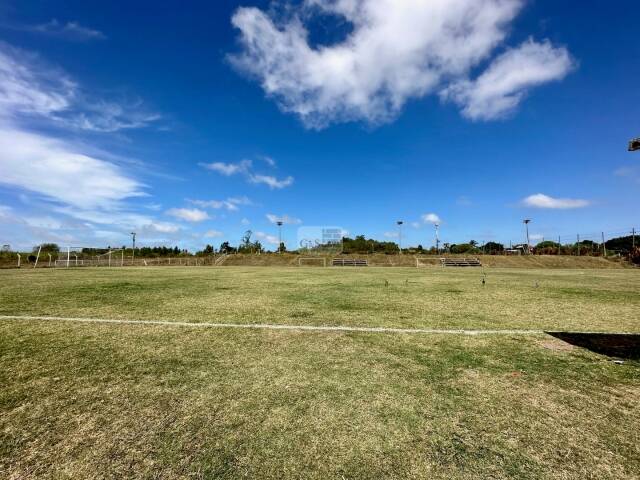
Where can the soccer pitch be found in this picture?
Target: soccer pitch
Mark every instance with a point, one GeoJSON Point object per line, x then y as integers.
{"type": "Point", "coordinates": [169, 400]}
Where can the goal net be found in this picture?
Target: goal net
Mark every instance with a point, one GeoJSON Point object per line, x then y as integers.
{"type": "Point", "coordinates": [312, 261]}
{"type": "Point", "coordinates": [423, 262]}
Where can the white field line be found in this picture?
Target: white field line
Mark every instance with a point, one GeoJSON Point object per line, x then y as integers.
{"type": "Point", "coordinates": [267, 326]}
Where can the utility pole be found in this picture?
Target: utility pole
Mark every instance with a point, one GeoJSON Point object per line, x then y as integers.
{"type": "Point", "coordinates": [578, 244]}
{"type": "Point", "coordinates": [400, 222]}
{"type": "Point", "coordinates": [559, 245]}
{"type": "Point", "coordinates": [604, 246]}
{"type": "Point", "coordinates": [133, 252]}
{"type": "Point", "coordinates": [526, 222]}
{"type": "Point", "coordinates": [437, 226]}
{"type": "Point", "coordinates": [279, 223]}
{"type": "Point", "coordinates": [633, 238]}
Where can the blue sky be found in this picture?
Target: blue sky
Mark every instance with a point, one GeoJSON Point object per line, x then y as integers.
{"type": "Point", "coordinates": [191, 124]}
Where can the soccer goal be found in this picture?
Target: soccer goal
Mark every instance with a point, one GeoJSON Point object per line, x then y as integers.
{"type": "Point", "coordinates": [312, 261]}
{"type": "Point", "coordinates": [113, 258]}
{"type": "Point", "coordinates": [423, 263]}
{"type": "Point", "coordinates": [70, 257]}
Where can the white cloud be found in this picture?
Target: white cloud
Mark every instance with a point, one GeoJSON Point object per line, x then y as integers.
{"type": "Point", "coordinates": [396, 51]}
{"type": "Point", "coordinates": [416, 224]}
{"type": "Point", "coordinates": [286, 219]}
{"type": "Point", "coordinates": [499, 90]}
{"type": "Point", "coordinates": [163, 227]}
{"type": "Point", "coordinates": [540, 200]}
{"type": "Point", "coordinates": [271, 181]}
{"type": "Point", "coordinates": [29, 87]}
{"type": "Point", "coordinates": [268, 160]}
{"type": "Point", "coordinates": [391, 234]}
{"type": "Point", "coordinates": [228, 169]}
{"type": "Point", "coordinates": [273, 240]}
{"type": "Point", "coordinates": [245, 167]}
{"type": "Point", "coordinates": [231, 204]}
{"type": "Point", "coordinates": [69, 30]}
{"type": "Point", "coordinates": [245, 221]}
{"type": "Point", "coordinates": [632, 173]}
{"type": "Point", "coordinates": [57, 171]}
{"type": "Point", "coordinates": [188, 214]}
{"type": "Point", "coordinates": [213, 234]}
{"type": "Point", "coordinates": [431, 218]}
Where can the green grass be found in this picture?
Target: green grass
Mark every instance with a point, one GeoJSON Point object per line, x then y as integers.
{"type": "Point", "coordinates": [582, 300]}
{"type": "Point", "coordinates": [142, 401]}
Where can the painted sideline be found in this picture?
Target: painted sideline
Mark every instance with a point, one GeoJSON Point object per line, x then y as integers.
{"type": "Point", "coordinates": [268, 326]}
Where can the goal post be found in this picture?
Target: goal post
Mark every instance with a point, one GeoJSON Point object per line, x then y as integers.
{"type": "Point", "coordinates": [424, 262]}
{"type": "Point", "coordinates": [312, 261]}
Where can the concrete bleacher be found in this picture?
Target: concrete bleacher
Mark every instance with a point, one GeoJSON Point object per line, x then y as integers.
{"type": "Point", "coordinates": [460, 262]}
{"type": "Point", "coordinates": [349, 262]}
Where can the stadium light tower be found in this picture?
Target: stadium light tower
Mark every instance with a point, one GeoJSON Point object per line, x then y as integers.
{"type": "Point", "coordinates": [400, 222]}
{"type": "Point", "coordinates": [526, 222]}
{"type": "Point", "coordinates": [279, 223]}
{"type": "Point", "coordinates": [437, 226]}
{"type": "Point", "coordinates": [133, 239]}
{"type": "Point", "coordinates": [634, 145]}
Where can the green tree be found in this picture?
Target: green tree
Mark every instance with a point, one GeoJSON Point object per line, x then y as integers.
{"type": "Point", "coordinates": [48, 248]}
{"type": "Point", "coordinates": [493, 247]}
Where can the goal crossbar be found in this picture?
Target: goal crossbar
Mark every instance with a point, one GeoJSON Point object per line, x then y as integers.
{"type": "Point", "coordinates": [305, 260]}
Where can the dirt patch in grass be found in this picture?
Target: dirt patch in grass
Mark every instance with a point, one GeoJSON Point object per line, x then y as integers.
{"type": "Point", "coordinates": [556, 345]}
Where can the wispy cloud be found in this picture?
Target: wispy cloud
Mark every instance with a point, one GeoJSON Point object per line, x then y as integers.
{"type": "Point", "coordinates": [395, 52]}
{"type": "Point", "coordinates": [188, 214]}
{"type": "Point", "coordinates": [65, 30]}
{"type": "Point", "coordinates": [58, 172]}
{"type": "Point", "coordinates": [501, 88]}
{"type": "Point", "coordinates": [540, 200]}
{"type": "Point", "coordinates": [231, 204]}
{"type": "Point", "coordinates": [29, 88]}
{"type": "Point", "coordinates": [271, 181]}
{"type": "Point", "coordinates": [245, 168]}
{"type": "Point", "coordinates": [213, 234]}
{"type": "Point", "coordinates": [271, 239]}
{"type": "Point", "coordinates": [632, 173]}
{"type": "Point", "coordinates": [286, 219]}
{"type": "Point", "coordinates": [464, 201]}
{"type": "Point", "coordinates": [228, 169]}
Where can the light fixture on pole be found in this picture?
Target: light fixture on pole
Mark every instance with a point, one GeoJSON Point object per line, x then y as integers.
{"type": "Point", "coordinates": [279, 223]}
{"type": "Point", "coordinates": [526, 222]}
{"type": "Point", "coordinates": [634, 145]}
{"type": "Point", "coordinates": [400, 222]}
{"type": "Point", "coordinates": [133, 252]}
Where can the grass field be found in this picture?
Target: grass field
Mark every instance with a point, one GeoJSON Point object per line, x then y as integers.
{"type": "Point", "coordinates": [94, 400]}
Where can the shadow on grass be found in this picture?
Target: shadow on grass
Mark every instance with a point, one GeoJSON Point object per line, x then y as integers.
{"type": "Point", "coordinates": [612, 344]}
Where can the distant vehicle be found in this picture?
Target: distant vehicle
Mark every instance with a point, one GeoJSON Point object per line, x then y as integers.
{"type": "Point", "coordinates": [634, 145]}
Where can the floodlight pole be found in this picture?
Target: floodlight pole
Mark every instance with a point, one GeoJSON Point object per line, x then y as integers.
{"type": "Point", "coordinates": [526, 222]}
{"type": "Point", "coordinates": [437, 226]}
{"type": "Point", "coordinates": [400, 222]}
{"type": "Point", "coordinates": [279, 223]}
{"type": "Point", "coordinates": [133, 252]}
